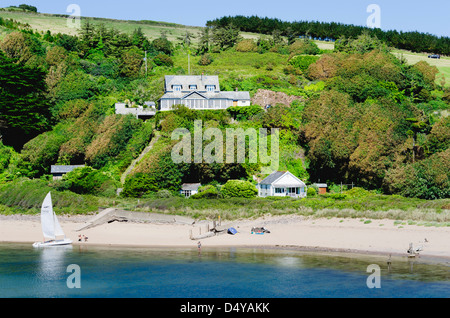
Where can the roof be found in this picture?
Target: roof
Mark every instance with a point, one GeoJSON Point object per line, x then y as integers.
{"type": "Point", "coordinates": [64, 169]}
{"type": "Point", "coordinates": [221, 95]}
{"type": "Point", "coordinates": [283, 179]}
{"type": "Point", "coordinates": [185, 80]}
{"type": "Point", "coordinates": [273, 177]}
{"type": "Point", "coordinates": [321, 185]}
{"type": "Point", "coordinates": [190, 186]}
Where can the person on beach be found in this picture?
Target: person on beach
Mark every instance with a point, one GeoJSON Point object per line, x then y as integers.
{"type": "Point", "coordinates": [79, 238]}
{"type": "Point", "coordinates": [199, 245]}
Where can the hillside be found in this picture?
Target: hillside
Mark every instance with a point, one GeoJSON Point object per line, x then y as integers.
{"type": "Point", "coordinates": [352, 114]}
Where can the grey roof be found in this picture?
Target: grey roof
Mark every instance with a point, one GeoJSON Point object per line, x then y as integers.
{"type": "Point", "coordinates": [185, 80]}
{"type": "Point", "coordinates": [273, 177]}
{"type": "Point", "coordinates": [321, 185]}
{"type": "Point", "coordinates": [221, 95]}
{"type": "Point", "coordinates": [190, 186]}
{"type": "Point", "coordinates": [64, 169]}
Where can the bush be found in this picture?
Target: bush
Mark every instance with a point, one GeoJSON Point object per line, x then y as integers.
{"type": "Point", "coordinates": [239, 189]}
{"type": "Point", "coordinates": [89, 181]}
{"type": "Point", "coordinates": [164, 194]}
{"type": "Point", "coordinates": [311, 192]}
{"type": "Point", "coordinates": [302, 62]}
{"type": "Point", "coordinates": [246, 45]}
{"type": "Point", "coordinates": [163, 60]}
{"type": "Point", "coordinates": [207, 192]}
{"type": "Point", "coordinates": [205, 60]}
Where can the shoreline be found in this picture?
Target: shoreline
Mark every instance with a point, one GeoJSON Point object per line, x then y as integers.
{"type": "Point", "coordinates": [287, 232]}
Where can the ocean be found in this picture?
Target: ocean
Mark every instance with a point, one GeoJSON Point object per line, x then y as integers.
{"type": "Point", "coordinates": [114, 272]}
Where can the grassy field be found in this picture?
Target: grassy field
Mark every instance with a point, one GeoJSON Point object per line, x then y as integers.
{"type": "Point", "coordinates": [442, 64]}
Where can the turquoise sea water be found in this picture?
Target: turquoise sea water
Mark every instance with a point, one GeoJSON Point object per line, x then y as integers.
{"type": "Point", "coordinates": [107, 272]}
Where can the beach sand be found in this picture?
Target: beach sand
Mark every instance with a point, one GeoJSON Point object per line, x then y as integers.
{"type": "Point", "coordinates": [290, 231]}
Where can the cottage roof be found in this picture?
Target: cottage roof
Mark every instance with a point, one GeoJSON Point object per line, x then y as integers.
{"type": "Point", "coordinates": [185, 80]}
{"type": "Point", "coordinates": [221, 95]}
{"type": "Point", "coordinates": [283, 179]}
{"type": "Point", "coordinates": [273, 177]}
{"type": "Point", "coordinates": [190, 186]}
{"type": "Point", "coordinates": [64, 169]}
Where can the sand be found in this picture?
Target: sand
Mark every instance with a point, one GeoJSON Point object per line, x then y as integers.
{"type": "Point", "coordinates": [289, 231]}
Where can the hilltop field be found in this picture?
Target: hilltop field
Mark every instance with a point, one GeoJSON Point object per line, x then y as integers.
{"type": "Point", "coordinates": [369, 120]}
{"type": "Point", "coordinates": [152, 29]}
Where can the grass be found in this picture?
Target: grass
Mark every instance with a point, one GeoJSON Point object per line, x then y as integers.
{"type": "Point", "coordinates": [25, 197]}
{"type": "Point", "coordinates": [442, 64]}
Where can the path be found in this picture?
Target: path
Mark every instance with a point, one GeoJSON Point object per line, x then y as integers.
{"type": "Point", "coordinates": [143, 153]}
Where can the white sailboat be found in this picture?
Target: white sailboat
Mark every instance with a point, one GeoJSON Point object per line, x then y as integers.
{"type": "Point", "coordinates": [51, 228]}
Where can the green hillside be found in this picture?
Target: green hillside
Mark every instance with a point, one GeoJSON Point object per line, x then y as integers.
{"type": "Point", "coordinates": [351, 114]}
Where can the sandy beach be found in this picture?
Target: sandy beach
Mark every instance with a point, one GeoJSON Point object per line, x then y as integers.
{"type": "Point", "coordinates": [290, 231]}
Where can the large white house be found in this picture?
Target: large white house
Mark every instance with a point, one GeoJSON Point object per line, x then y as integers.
{"type": "Point", "coordinates": [280, 184]}
{"type": "Point", "coordinates": [199, 92]}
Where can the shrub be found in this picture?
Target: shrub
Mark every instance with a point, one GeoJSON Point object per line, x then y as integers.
{"type": "Point", "coordinates": [207, 192]}
{"type": "Point", "coordinates": [163, 60]}
{"type": "Point", "coordinates": [246, 45]}
{"type": "Point", "coordinates": [311, 192]}
{"type": "Point", "coordinates": [205, 60]}
{"type": "Point", "coordinates": [89, 181]}
{"type": "Point", "coordinates": [304, 47]}
{"type": "Point", "coordinates": [302, 62]}
{"type": "Point", "coordinates": [164, 194]}
{"type": "Point", "coordinates": [239, 188]}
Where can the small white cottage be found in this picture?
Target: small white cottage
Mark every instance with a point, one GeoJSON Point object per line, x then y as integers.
{"type": "Point", "coordinates": [188, 189]}
{"type": "Point", "coordinates": [280, 184]}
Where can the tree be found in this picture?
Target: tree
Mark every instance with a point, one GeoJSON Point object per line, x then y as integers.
{"type": "Point", "coordinates": [163, 45]}
{"type": "Point", "coordinates": [225, 37]}
{"type": "Point", "coordinates": [131, 63]}
{"type": "Point", "coordinates": [203, 44]}
{"type": "Point", "coordinates": [24, 108]}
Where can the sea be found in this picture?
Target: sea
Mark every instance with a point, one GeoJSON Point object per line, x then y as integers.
{"type": "Point", "coordinates": [85, 271]}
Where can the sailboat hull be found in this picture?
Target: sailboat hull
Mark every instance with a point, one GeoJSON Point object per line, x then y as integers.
{"type": "Point", "coordinates": [53, 243]}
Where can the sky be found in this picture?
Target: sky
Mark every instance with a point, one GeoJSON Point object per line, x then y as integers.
{"type": "Point", "coordinates": [427, 16]}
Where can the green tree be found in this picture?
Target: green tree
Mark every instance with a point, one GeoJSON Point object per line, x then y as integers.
{"type": "Point", "coordinates": [225, 38]}
{"type": "Point", "coordinates": [24, 108]}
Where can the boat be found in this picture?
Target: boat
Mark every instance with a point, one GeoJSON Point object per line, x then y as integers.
{"type": "Point", "coordinates": [51, 228]}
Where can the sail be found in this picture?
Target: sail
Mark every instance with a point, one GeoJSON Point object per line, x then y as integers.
{"type": "Point", "coordinates": [47, 219]}
{"type": "Point", "coordinates": [58, 229]}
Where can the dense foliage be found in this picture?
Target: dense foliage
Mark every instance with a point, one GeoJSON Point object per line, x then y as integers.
{"type": "Point", "coordinates": [357, 114]}
{"type": "Point", "coordinates": [413, 40]}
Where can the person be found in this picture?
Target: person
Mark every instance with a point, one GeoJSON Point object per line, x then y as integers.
{"type": "Point", "coordinates": [79, 237]}
{"type": "Point", "coordinates": [85, 238]}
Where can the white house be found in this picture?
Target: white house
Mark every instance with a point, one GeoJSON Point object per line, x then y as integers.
{"type": "Point", "coordinates": [280, 184]}
{"type": "Point", "coordinates": [139, 111]}
{"type": "Point", "coordinates": [199, 92]}
{"type": "Point", "coordinates": [188, 189]}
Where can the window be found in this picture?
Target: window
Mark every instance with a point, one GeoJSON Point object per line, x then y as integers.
{"type": "Point", "coordinates": [192, 87]}
{"type": "Point", "coordinates": [176, 88]}
{"type": "Point", "coordinates": [279, 190]}
{"type": "Point", "coordinates": [210, 88]}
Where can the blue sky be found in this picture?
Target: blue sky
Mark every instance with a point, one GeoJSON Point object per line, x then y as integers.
{"type": "Point", "coordinates": [432, 16]}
